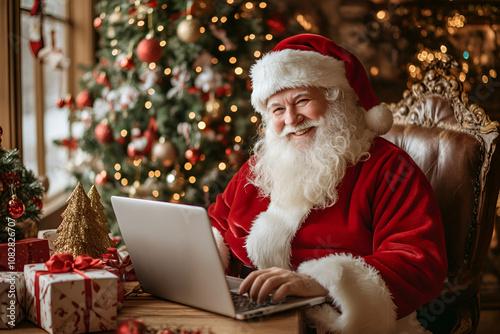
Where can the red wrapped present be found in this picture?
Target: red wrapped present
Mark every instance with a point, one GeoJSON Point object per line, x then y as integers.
{"type": "Point", "coordinates": [26, 251]}
{"type": "Point", "coordinates": [12, 299]}
{"type": "Point", "coordinates": [118, 262]}
{"type": "Point", "coordinates": [71, 296]}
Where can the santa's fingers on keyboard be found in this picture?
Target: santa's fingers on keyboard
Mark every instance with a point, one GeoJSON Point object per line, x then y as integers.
{"type": "Point", "coordinates": [280, 283]}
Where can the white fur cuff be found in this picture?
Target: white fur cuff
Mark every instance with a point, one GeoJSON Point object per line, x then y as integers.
{"type": "Point", "coordinates": [357, 290]}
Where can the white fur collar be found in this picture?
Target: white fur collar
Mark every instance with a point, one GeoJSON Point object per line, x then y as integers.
{"type": "Point", "coordinates": [269, 241]}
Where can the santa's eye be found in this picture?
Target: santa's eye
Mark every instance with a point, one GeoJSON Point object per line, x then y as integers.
{"type": "Point", "coordinates": [278, 110]}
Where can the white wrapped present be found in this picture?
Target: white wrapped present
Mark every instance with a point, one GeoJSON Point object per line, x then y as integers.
{"type": "Point", "coordinates": [77, 301]}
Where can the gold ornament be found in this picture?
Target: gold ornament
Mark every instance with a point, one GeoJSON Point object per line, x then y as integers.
{"type": "Point", "coordinates": [214, 108]}
{"type": "Point", "coordinates": [188, 30]}
{"type": "Point", "coordinates": [164, 152]}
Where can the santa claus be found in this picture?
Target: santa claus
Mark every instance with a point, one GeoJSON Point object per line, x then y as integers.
{"type": "Point", "coordinates": [325, 206]}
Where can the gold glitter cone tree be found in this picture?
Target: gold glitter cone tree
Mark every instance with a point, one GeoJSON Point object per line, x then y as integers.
{"type": "Point", "coordinates": [95, 201]}
{"type": "Point", "coordinates": [80, 231]}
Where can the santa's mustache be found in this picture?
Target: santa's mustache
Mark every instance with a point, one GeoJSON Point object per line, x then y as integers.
{"type": "Point", "coordinates": [293, 129]}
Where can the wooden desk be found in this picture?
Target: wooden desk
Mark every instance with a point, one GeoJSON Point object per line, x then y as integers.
{"type": "Point", "coordinates": [156, 313]}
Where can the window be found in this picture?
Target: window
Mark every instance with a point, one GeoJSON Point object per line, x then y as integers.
{"type": "Point", "coordinates": [30, 118]}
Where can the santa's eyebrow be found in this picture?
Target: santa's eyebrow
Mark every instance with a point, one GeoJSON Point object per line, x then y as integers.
{"type": "Point", "coordinates": [304, 92]}
{"type": "Point", "coordinates": [298, 94]}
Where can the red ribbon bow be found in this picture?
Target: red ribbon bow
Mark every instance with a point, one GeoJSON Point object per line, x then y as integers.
{"type": "Point", "coordinates": [61, 263]}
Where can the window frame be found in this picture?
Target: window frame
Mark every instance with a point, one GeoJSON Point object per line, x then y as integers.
{"type": "Point", "coordinates": [80, 41]}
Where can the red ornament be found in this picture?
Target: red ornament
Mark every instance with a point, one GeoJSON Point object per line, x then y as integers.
{"type": "Point", "coordinates": [15, 207]}
{"type": "Point", "coordinates": [97, 22]}
{"type": "Point", "coordinates": [102, 78]}
{"type": "Point", "coordinates": [84, 99]}
{"type": "Point", "coordinates": [103, 132]}
{"type": "Point", "coordinates": [277, 23]}
{"type": "Point", "coordinates": [131, 326]}
{"type": "Point", "coordinates": [127, 63]}
{"type": "Point", "coordinates": [38, 202]}
{"type": "Point", "coordinates": [101, 178]}
{"type": "Point", "coordinates": [60, 102]}
{"type": "Point", "coordinates": [149, 50]}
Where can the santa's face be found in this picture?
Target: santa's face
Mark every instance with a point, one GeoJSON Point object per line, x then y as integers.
{"type": "Point", "coordinates": [296, 111]}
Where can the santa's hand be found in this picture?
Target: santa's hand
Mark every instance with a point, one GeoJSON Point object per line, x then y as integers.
{"type": "Point", "coordinates": [281, 283]}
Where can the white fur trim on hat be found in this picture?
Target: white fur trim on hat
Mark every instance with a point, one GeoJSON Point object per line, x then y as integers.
{"type": "Point", "coordinates": [379, 119]}
{"type": "Point", "coordinates": [269, 242]}
{"type": "Point", "coordinates": [224, 251]}
{"type": "Point", "coordinates": [290, 68]}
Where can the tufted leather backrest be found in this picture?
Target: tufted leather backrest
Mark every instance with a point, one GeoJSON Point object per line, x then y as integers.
{"type": "Point", "coordinates": [452, 161]}
{"type": "Point", "coordinates": [455, 145]}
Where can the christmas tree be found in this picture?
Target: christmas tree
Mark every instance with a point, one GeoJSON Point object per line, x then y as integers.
{"type": "Point", "coordinates": [166, 108]}
{"type": "Point", "coordinates": [20, 195]}
{"type": "Point", "coordinates": [81, 231]}
{"type": "Point", "coordinates": [95, 202]}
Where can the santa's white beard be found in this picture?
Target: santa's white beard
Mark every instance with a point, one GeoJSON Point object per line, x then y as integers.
{"type": "Point", "coordinates": [306, 171]}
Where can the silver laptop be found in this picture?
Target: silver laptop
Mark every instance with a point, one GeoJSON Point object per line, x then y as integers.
{"type": "Point", "coordinates": [175, 258]}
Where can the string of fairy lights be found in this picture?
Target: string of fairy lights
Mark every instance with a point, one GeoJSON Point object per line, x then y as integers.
{"type": "Point", "coordinates": [436, 29]}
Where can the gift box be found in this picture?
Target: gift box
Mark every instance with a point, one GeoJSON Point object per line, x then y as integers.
{"type": "Point", "coordinates": [49, 235]}
{"type": "Point", "coordinates": [12, 299]}
{"type": "Point", "coordinates": [118, 261]}
{"type": "Point", "coordinates": [29, 250]}
{"type": "Point", "coordinates": [77, 301]}
{"type": "Point", "coordinates": [129, 272]}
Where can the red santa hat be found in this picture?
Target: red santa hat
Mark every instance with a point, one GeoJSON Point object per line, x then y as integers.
{"type": "Point", "coordinates": [313, 60]}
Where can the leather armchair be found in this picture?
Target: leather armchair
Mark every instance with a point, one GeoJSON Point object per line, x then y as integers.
{"type": "Point", "coordinates": [456, 145]}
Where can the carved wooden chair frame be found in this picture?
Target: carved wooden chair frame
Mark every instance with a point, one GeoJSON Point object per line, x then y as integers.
{"type": "Point", "coordinates": [471, 119]}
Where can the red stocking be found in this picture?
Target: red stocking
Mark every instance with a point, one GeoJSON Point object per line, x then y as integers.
{"type": "Point", "coordinates": [35, 36]}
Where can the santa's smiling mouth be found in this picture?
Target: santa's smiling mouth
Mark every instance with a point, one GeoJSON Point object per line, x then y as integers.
{"type": "Point", "coordinates": [302, 131]}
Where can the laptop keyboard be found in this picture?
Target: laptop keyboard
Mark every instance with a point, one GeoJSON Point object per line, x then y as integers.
{"type": "Point", "coordinates": [243, 303]}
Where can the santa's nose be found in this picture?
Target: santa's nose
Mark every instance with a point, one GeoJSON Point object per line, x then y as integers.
{"type": "Point", "coordinates": [292, 117]}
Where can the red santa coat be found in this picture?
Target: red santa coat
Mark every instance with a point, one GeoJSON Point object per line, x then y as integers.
{"type": "Point", "coordinates": [379, 251]}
